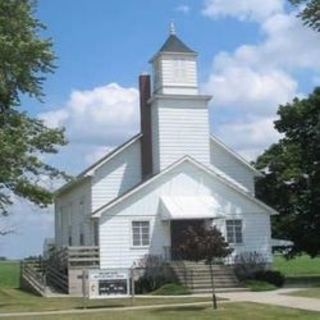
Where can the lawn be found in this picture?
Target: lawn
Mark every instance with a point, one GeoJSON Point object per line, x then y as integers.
{"type": "Point", "coordinates": [15, 300]}
{"type": "Point", "coordinates": [308, 293]}
{"type": "Point", "coordinates": [9, 274]}
{"type": "Point", "coordinates": [300, 266]}
{"type": "Point", "coordinates": [227, 311]}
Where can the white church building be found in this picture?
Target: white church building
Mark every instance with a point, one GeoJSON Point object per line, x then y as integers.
{"type": "Point", "coordinates": [137, 199]}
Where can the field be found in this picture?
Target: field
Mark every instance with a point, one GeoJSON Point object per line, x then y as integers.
{"type": "Point", "coordinates": [300, 266]}
{"type": "Point", "coordinates": [9, 274]}
{"type": "Point", "coordinates": [227, 311]}
{"type": "Point", "coordinates": [308, 293]}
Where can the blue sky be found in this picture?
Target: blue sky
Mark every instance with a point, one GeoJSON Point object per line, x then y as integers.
{"type": "Point", "coordinates": [253, 56]}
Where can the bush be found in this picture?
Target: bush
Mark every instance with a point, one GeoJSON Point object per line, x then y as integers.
{"type": "Point", "coordinates": [248, 263]}
{"type": "Point", "coordinates": [274, 277]}
{"type": "Point", "coordinates": [154, 274]}
{"type": "Point", "coordinates": [256, 285]}
{"type": "Point", "coordinates": [173, 289]}
{"type": "Point", "coordinates": [148, 284]}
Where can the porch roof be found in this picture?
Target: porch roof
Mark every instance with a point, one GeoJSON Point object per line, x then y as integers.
{"type": "Point", "coordinates": [185, 208]}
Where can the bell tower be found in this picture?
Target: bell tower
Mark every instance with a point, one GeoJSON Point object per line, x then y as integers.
{"type": "Point", "coordinates": [175, 67]}
{"type": "Point", "coordinates": [179, 121]}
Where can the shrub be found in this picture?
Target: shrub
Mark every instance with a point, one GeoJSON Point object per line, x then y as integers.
{"type": "Point", "coordinates": [154, 274]}
{"type": "Point", "coordinates": [248, 263]}
{"type": "Point", "coordinates": [274, 277]}
{"type": "Point", "coordinates": [256, 285]}
{"type": "Point", "coordinates": [172, 289]}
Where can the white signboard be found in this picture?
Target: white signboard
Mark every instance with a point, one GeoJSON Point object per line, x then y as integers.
{"type": "Point", "coordinates": [108, 283]}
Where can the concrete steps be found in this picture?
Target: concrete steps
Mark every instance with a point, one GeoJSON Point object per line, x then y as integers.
{"type": "Point", "coordinates": [196, 276]}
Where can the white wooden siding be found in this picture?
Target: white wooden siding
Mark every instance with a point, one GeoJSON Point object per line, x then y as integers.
{"type": "Point", "coordinates": [231, 166]}
{"type": "Point", "coordinates": [73, 208]}
{"type": "Point", "coordinates": [116, 240]}
{"type": "Point", "coordinates": [176, 74]}
{"type": "Point", "coordinates": [116, 176]}
{"type": "Point", "coordinates": [185, 180]}
{"type": "Point", "coordinates": [180, 127]}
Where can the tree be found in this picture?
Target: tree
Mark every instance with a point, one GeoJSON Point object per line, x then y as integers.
{"type": "Point", "coordinates": [310, 14]}
{"type": "Point", "coordinates": [292, 175]}
{"type": "Point", "coordinates": [201, 243]}
{"type": "Point", "coordinates": [25, 60]}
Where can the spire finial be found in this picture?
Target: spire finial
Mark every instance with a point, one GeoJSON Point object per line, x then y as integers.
{"type": "Point", "coordinates": [172, 28]}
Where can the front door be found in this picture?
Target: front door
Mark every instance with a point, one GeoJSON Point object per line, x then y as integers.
{"type": "Point", "coordinates": [177, 236]}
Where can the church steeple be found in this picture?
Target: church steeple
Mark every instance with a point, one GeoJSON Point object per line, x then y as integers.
{"type": "Point", "coordinates": [172, 29]}
{"type": "Point", "coordinates": [175, 67]}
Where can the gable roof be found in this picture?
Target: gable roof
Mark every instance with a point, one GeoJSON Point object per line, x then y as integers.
{"type": "Point", "coordinates": [89, 171]}
{"type": "Point", "coordinates": [236, 156]}
{"type": "Point", "coordinates": [174, 45]}
{"type": "Point", "coordinates": [97, 213]}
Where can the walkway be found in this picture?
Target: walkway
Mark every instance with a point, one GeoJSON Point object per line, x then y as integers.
{"type": "Point", "coordinates": [277, 298]}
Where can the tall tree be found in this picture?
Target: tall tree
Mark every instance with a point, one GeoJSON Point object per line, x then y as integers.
{"type": "Point", "coordinates": [25, 60]}
{"type": "Point", "coordinates": [310, 13]}
{"type": "Point", "coordinates": [201, 243]}
{"type": "Point", "coordinates": [292, 175]}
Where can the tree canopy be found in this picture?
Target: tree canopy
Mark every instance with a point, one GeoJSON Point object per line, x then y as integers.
{"type": "Point", "coordinates": [310, 13]}
{"type": "Point", "coordinates": [204, 243]}
{"type": "Point", "coordinates": [292, 175]}
{"type": "Point", "coordinates": [25, 60]}
{"type": "Point", "coordinates": [201, 243]}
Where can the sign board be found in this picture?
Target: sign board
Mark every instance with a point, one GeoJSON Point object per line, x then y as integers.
{"type": "Point", "coordinates": [108, 283]}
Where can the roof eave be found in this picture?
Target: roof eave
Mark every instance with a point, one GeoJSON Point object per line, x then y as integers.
{"type": "Point", "coordinates": [97, 213]}
{"type": "Point", "coordinates": [237, 156]}
{"type": "Point", "coordinates": [168, 53]}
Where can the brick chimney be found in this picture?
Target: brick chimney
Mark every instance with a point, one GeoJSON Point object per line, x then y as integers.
{"type": "Point", "coordinates": [145, 116]}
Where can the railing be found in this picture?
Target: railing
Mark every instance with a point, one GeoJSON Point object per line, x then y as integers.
{"type": "Point", "coordinates": [34, 276]}
{"type": "Point", "coordinates": [57, 279]}
{"type": "Point", "coordinates": [83, 257]}
{"type": "Point", "coordinates": [76, 257]}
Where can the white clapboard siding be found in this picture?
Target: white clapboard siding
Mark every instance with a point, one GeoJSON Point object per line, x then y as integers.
{"type": "Point", "coordinates": [189, 71]}
{"type": "Point", "coordinates": [116, 176]}
{"type": "Point", "coordinates": [230, 165]}
{"type": "Point", "coordinates": [73, 209]}
{"type": "Point", "coordinates": [184, 180]}
{"type": "Point", "coordinates": [255, 233]}
{"type": "Point", "coordinates": [176, 74]}
{"type": "Point", "coordinates": [116, 240]}
{"type": "Point", "coordinates": [180, 127]}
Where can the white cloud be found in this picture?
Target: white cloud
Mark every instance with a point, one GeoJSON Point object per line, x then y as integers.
{"type": "Point", "coordinates": [253, 80]}
{"type": "Point", "coordinates": [95, 120]}
{"type": "Point", "coordinates": [242, 9]}
{"type": "Point", "coordinates": [104, 115]}
{"type": "Point", "coordinates": [183, 8]}
{"type": "Point", "coordinates": [249, 91]}
{"type": "Point", "coordinates": [97, 153]}
{"type": "Point", "coordinates": [249, 136]}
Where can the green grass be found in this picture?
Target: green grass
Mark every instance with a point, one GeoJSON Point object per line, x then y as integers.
{"type": "Point", "coordinates": [171, 289]}
{"type": "Point", "coordinates": [307, 293]}
{"type": "Point", "coordinates": [255, 285]}
{"type": "Point", "coordinates": [15, 300]}
{"type": "Point", "coordinates": [9, 274]}
{"type": "Point", "coordinates": [299, 266]}
{"type": "Point", "coordinates": [230, 311]}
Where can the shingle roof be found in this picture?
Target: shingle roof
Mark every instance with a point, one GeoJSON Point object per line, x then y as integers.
{"type": "Point", "coordinates": [174, 44]}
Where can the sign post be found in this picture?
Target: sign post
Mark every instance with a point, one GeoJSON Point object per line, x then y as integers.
{"type": "Point", "coordinates": [84, 288]}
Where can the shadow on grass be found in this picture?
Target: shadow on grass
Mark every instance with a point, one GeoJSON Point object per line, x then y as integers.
{"type": "Point", "coordinates": [187, 309]}
{"type": "Point", "coordinates": [101, 306]}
